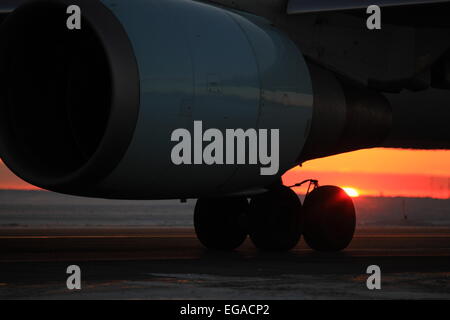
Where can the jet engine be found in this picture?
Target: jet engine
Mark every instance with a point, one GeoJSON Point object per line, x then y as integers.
{"type": "Point", "coordinates": [91, 111]}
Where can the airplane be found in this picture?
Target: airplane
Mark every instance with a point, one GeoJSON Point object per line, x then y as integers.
{"type": "Point", "coordinates": [91, 111]}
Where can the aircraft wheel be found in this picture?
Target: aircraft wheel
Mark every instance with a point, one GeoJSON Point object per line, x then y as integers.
{"type": "Point", "coordinates": [275, 223]}
{"type": "Point", "coordinates": [218, 224]}
{"type": "Point", "coordinates": [329, 219]}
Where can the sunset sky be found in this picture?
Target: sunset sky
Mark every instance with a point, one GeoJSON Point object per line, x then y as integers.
{"type": "Point", "coordinates": [375, 172]}
{"type": "Point", "coordinates": [382, 172]}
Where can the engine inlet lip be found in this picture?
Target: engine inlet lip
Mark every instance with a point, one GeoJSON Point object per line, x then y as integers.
{"type": "Point", "coordinates": [124, 108]}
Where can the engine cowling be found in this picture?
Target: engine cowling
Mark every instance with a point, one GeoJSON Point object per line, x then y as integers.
{"type": "Point", "coordinates": [91, 112]}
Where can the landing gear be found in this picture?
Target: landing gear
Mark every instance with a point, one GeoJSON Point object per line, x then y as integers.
{"type": "Point", "coordinates": [218, 222]}
{"type": "Point", "coordinates": [275, 220]}
{"type": "Point", "coordinates": [329, 219]}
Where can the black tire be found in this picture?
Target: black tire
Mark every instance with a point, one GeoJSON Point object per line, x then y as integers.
{"type": "Point", "coordinates": [218, 224]}
{"type": "Point", "coordinates": [329, 219]}
{"type": "Point", "coordinates": [275, 219]}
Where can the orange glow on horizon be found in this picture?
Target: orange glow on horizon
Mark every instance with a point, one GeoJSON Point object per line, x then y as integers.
{"type": "Point", "coordinates": [352, 192]}
{"type": "Point", "coordinates": [381, 172]}
{"type": "Point", "coordinates": [397, 161]}
{"type": "Point", "coordinates": [373, 172]}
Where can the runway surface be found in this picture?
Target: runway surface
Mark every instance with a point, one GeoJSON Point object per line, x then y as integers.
{"type": "Point", "coordinates": [169, 263]}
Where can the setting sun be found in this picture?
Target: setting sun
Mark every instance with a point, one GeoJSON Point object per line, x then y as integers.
{"type": "Point", "coordinates": [352, 192]}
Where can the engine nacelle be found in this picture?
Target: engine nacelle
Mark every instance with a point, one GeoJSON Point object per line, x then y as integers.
{"type": "Point", "coordinates": [346, 117]}
{"type": "Point", "coordinates": [91, 112]}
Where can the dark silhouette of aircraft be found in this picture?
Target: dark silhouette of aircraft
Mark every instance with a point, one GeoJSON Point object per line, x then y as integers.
{"type": "Point", "coordinates": [94, 111]}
